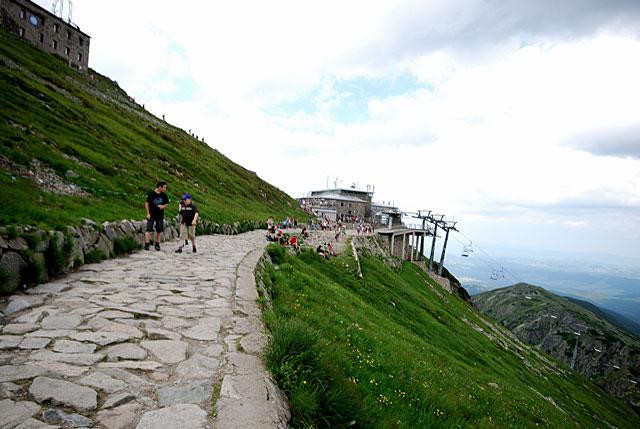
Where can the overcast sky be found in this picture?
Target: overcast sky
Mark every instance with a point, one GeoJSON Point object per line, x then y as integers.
{"type": "Point", "coordinates": [520, 119]}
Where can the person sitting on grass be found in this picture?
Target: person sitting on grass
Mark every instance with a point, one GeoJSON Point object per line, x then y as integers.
{"type": "Point", "coordinates": [330, 250]}
{"type": "Point", "coordinates": [293, 242]}
{"type": "Point", "coordinates": [189, 217]}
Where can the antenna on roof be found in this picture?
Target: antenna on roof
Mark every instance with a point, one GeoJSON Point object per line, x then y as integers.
{"type": "Point", "coordinates": [57, 8]}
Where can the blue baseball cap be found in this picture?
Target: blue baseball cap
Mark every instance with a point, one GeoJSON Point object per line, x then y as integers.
{"type": "Point", "coordinates": [186, 196]}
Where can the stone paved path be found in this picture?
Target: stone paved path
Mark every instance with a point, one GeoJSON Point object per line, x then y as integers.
{"type": "Point", "coordinates": [148, 341]}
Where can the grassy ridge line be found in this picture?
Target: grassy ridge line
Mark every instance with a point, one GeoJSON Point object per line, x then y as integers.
{"type": "Point", "coordinates": [610, 316]}
{"type": "Point", "coordinates": [549, 302]}
{"type": "Point", "coordinates": [387, 351]}
{"type": "Point", "coordinates": [87, 124]}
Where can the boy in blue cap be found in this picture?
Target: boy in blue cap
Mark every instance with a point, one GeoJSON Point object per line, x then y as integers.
{"type": "Point", "coordinates": [188, 218]}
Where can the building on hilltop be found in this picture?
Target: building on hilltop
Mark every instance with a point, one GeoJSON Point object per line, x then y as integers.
{"type": "Point", "coordinates": [46, 31]}
{"type": "Point", "coordinates": [341, 204]}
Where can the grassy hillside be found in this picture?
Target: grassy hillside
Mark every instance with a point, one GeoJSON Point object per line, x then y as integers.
{"type": "Point", "coordinates": [79, 132]}
{"type": "Point", "coordinates": [395, 350]}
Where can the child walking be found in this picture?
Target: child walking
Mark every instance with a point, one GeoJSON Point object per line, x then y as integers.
{"type": "Point", "coordinates": [188, 218]}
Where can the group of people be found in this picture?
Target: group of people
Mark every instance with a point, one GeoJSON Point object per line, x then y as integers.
{"type": "Point", "coordinates": [278, 236]}
{"type": "Point", "coordinates": [326, 249]}
{"type": "Point", "coordinates": [364, 229]}
{"type": "Point", "coordinates": [157, 202]}
{"type": "Point", "coordinates": [284, 224]}
{"type": "Point", "coordinates": [155, 205]}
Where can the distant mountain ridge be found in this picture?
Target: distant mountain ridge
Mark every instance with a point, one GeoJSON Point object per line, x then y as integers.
{"type": "Point", "coordinates": [577, 333]}
{"type": "Point", "coordinates": [610, 316]}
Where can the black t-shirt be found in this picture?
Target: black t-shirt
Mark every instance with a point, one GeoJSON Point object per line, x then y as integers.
{"type": "Point", "coordinates": [154, 199]}
{"type": "Point", "coordinates": [188, 213]}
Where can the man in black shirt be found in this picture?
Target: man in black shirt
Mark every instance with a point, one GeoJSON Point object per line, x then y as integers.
{"type": "Point", "coordinates": [188, 218]}
{"type": "Point", "coordinates": [155, 204]}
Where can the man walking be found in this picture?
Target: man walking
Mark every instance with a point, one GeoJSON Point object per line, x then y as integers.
{"type": "Point", "coordinates": [155, 204]}
{"type": "Point", "coordinates": [188, 218]}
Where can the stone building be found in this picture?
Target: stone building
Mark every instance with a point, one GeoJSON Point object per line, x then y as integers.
{"type": "Point", "coordinates": [339, 204]}
{"type": "Point", "coordinates": [48, 32]}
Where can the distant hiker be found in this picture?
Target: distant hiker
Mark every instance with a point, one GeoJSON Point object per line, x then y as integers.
{"type": "Point", "coordinates": [155, 204]}
{"type": "Point", "coordinates": [188, 218]}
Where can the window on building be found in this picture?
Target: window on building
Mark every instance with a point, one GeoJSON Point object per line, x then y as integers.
{"type": "Point", "coordinates": [66, 51]}
{"type": "Point", "coordinates": [68, 34]}
{"type": "Point", "coordinates": [41, 38]}
{"type": "Point", "coordinates": [23, 13]}
{"type": "Point", "coordinates": [21, 32]}
{"type": "Point", "coordinates": [81, 41]}
{"type": "Point", "coordinates": [54, 44]}
{"type": "Point", "coordinates": [79, 56]}
{"type": "Point", "coordinates": [55, 28]}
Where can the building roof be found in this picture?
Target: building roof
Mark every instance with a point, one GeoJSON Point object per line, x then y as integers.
{"type": "Point", "coordinates": [383, 206]}
{"type": "Point", "coordinates": [337, 197]}
{"type": "Point", "coordinates": [51, 15]}
{"type": "Point", "coordinates": [338, 190]}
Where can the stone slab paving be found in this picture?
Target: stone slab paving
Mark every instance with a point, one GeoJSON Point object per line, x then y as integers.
{"type": "Point", "coordinates": [142, 342]}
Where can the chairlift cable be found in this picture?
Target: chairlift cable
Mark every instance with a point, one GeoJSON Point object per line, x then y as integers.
{"type": "Point", "coordinates": [494, 261]}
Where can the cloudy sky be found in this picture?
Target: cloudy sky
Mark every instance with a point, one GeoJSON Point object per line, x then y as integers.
{"type": "Point", "coordinates": [519, 119]}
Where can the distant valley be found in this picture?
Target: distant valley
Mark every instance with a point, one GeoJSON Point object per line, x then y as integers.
{"type": "Point", "coordinates": [611, 283]}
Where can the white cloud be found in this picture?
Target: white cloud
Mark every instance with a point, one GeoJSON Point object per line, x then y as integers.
{"type": "Point", "coordinates": [501, 89]}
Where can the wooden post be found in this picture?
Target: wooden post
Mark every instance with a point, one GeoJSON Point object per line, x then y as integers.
{"type": "Point", "coordinates": [404, 238]}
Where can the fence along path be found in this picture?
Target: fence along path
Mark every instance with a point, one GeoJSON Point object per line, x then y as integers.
{"type": "Point", "coordinates": [153, 340]}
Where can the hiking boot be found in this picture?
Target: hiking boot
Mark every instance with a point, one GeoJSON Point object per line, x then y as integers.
{"type": "Point", "coordinates": [194, 249]}
{"type": "Point", "coordinates": [146, 246]}
{"type": "Point", "coordinates": [157, 246]}
{"type": "Point", "coordinates": [179, 250]}
{"type": "Point", "coordinates": [186, 242]}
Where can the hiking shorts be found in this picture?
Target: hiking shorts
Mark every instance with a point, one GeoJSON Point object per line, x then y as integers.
{"type": "Point", "coordinates": [189, 231]}
{"type": "Point", "coordinates": [159, 224]}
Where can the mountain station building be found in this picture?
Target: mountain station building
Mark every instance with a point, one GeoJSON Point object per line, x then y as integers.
{"type": "Point", "coordinates": [46, 31]}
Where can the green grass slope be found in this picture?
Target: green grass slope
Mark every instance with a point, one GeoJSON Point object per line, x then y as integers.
{"type": "Point", "coordinates": [393, 349]}
{"type": "Point", "coordinates": [85, 123]}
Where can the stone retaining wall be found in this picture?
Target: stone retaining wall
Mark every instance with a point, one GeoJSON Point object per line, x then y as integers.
{"type": "Point", "coordinates": [29, 256]}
